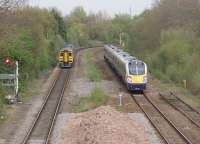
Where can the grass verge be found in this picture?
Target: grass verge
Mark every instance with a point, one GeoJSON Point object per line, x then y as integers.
{"type": "Point", "coordinates": [95, 99]}
{"type": "Point", "coordinates": [93, 73]}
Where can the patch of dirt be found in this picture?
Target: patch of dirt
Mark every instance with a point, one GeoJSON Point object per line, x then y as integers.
{"type": "Point", "coordinates": [78, 69]}
{"type": "Point", "coordinates": [103, 125]}
{"type": "Point", "coordinates": [22, 115]}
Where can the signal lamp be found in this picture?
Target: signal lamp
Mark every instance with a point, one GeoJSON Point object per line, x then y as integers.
{"type": "Point", "coordinates": [8, 61]}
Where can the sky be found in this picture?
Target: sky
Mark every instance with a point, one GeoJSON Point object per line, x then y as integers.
{"type": "Point", "coordinates": [111, 7]}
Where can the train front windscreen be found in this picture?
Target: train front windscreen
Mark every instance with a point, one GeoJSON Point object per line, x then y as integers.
{"type": "Point", "coordinates": [136, 68]}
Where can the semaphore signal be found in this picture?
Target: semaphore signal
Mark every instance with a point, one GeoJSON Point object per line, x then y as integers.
{"type": "Point", "coordinates": [14, 77]}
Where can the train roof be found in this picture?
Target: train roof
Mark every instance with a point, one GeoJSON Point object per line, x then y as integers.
{"type": "Point", "coordinates": [124, 56]}
{"type": "Point", "coordinates": [66, 49]}
{"type": "Point", "coordinates": [68, 45]}
{"type": "Point", "coordinates": [120, 53]}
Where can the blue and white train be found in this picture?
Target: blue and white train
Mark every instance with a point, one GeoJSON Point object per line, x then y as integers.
{"type": "Point", "coordinates": [131, 70]}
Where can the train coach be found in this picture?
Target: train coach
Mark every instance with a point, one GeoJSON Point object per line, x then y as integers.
{"type": "Point", "coordinates": [131, 70]}
{"type": "Point", "coordinates": [66, 57]}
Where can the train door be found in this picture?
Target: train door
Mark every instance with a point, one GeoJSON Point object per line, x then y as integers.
{"type": "Point", "coordinates": [66, 57]}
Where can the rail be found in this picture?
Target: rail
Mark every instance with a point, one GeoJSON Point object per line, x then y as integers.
{"type": "Point", "coordinates": [163, 116]}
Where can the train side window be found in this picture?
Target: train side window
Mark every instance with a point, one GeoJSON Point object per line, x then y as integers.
{"type": "Point", "coordinates": [61, 54]}
{"type": "Point", "coordinates": [70, 54]}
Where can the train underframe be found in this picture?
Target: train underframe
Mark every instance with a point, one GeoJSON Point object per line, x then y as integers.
{"type": "Point", "coordinates": [66, 64]}
{"type": "Point", "coordinates": [136, 87]}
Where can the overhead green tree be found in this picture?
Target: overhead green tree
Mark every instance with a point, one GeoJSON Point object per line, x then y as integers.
{"type": "Point", "coordinates": [61, 23]}
{"type": "Point", "coordinates": [76, 27]}
{"type": "Point", "coordinates": [31, 36]}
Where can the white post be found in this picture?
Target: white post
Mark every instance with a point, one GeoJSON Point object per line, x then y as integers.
{"type": "Point", "coordinates": [17, 79]}
{"type": "Point", "coordinates": [120, 99]}
{"type": "Point", "coordinates": [120, 39]}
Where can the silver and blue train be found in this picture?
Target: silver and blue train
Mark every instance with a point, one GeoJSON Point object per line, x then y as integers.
{"type": "Point", "coordinates": [132, 71]}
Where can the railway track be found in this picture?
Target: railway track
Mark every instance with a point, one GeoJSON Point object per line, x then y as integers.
{"type": "Point", "coordinates": [170, 133]}
{"type": "Point", "coordinates": [192, 114]}
{"type": "Point", "coordinates": [42, 127]}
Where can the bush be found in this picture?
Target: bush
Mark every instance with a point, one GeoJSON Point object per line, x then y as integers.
{"type": "Point", "coordinates": [173, 73]}
{"type": "Point", "coordinates": [98, 96]}
{"type": "Point", "coordinates": [95, 99]}
{"type": "Point", "coordinates": [195, 83]}
{"type": "Point", "coordinates": [157, 73]}
{"type": "Point", "coordinates": [177, 58]}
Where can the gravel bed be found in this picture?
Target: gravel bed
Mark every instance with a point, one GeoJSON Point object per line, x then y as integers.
{"type": "Point", "coordinates": [58, 128]}
{"type": "Point", "coordinates": [149, 130]}
{"type": "Point", "coordinates": [83, 87]}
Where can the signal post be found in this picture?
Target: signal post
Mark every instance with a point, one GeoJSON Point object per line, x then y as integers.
{"type": "Point", "coordinates": [11, 81]}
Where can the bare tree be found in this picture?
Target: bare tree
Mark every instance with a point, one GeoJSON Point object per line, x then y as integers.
{"type": "Point", "coordinates": [7, 15]}
{"type": "Point", "coordinates": [7, 5]}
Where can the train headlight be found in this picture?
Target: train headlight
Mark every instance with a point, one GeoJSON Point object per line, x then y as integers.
{"type": "Point", "coordinates": [145, 79]}
{"type": "Point", "coordinates": [129, 79]}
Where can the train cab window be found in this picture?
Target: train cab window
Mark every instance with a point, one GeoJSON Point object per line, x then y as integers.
{"type": "Point", "coordinates": [70, 54]}
{"type": "Point", "coordinates": [136, 68]}
{"type": "Point", "coordinates": [61, 54]}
